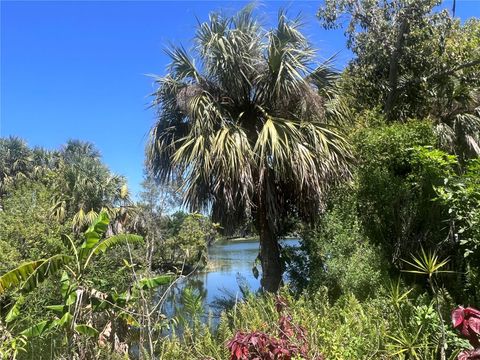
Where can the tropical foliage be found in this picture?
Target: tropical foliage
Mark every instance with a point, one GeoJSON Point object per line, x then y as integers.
{"type": "Point", "coordinates": [78, 297]}
{"type": "Point", "coordinates": [70, 296]}
{"type": "Point", "coordinates": [374, 168]}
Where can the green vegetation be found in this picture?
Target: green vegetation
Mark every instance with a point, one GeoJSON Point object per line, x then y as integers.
{"type": "Point", "coordinates": [62, 294]}
{"type": "Point", "coordinates": [376, 169]}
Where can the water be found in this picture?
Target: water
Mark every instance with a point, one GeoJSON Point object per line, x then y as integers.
{"type": "Point", "coordinates": [229, 263]}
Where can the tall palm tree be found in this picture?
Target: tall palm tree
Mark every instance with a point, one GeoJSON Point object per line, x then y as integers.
{"type": "Point", "coordinates": [241, 121]}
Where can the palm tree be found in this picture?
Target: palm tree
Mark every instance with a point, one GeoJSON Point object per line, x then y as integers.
{"type": "Point", "coordinates": [243, 124]}
{"type": "Point", "coordinates": [16, 161]}
{"type": "Point", "coordinates": [456, 116]}
{"type": "Point", "coordinates": [85, 186]}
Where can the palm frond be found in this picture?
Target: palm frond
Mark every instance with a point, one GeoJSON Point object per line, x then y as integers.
{"type": "Point", "coordinates": [182, 66]}
{"type": "Point", "coordinates": [242, 115]}
{"type": "Point", "coordinates": [289, 58]}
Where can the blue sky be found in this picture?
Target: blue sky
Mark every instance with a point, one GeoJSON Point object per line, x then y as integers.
{"type": "Point", "coordinates": [77, 70]}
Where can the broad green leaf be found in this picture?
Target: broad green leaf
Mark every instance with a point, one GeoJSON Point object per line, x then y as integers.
{"type": "Point", "coordinates": [65, 320]}
{"type": "Point", "coordinates": [117, 240]}
{"type": "Point", "coordinates": [64, 284]}
{"type": "Point", "coordinates": [129, 319]}
{"type": "Point", "coordinates": [16, 276]}
{"type": "Point", "coordinates": [14, 312]}
{"type": "Point", "coordinates": [120, 297]}
{"type": "Point", "coordinates": [151, 283]}
{"type": "Point", "coordinates": [112, 242]}
{"type": "Point", "coordinates": [57, 308]}
{"type": "Point", "coordinates": [68, 289]}
{"type": "Point", "coordinates": [46, 269]}
{"type": "Point", "coordinates": [29, 275]}
{"type": "Point", "coordinates": [86, 330]}
{"type": "Point", "coordinates": [95, 232]}
{"type": "Point", "coordinates": [38, 329]}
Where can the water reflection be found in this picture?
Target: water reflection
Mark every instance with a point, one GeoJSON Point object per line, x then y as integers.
{"type": "Point", "coordinates": [230, 262]}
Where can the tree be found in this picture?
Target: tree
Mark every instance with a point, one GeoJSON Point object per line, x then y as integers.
{"type": "Point", "coordinates": [82, 184]}
{"type": "Point", "coordinates": [428, 65]}
{"type": "Point", "coordinates": [455, 101]}
{"type": "Point", "coordinates": [15, 161]}
{"type": "Point", "coordinates": [246, 128]}
{"type": "Point", "coordinates": [26, 230]}
{"type": "Point", "coordinates": [85, 186]}
{"type": "Point", "coordinates": [397, 172]}
{"type": "Point", "coordinates": [188, 243]}
{"type": "Point", "coordinates": [150, 218]}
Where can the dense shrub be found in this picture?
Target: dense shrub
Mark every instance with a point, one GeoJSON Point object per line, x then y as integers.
{"type": "Point", "coordinates": [340, 256]}
{"type": "Point", "coordinates": [461, 195]}
{"type": "Point", "coordinates": [26, 226]}
{"type": "Point", "coordinates": [395, 184]}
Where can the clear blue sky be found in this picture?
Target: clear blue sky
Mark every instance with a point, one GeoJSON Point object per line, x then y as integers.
{"type": "Point", "coordinates": [76, 70]}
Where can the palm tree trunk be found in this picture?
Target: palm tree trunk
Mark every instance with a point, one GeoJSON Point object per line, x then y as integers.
{"type": "Point", "coordinates": [393, 73]}
{"type": "Point", "coordinates": [269, 253]}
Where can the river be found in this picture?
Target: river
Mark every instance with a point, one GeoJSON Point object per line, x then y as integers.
{"type": "Point", "coordinates": [230, 264]}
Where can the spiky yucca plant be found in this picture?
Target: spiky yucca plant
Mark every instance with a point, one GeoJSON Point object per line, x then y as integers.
{"type": "Point", "coordinates": [240, 119]}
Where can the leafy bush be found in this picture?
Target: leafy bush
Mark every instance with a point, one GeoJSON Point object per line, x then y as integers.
{"type": "Point", "coordinates": [340, 256]}
{"type": "Point", "coordinates": [187, 242]}
{"type": "Point", "coordinates": [461, 195]}
{"type": "Point", "coordinates": [26, 224]}
{"type": "Point", "coordinates": [397, 173]}
{"type": "Point", "coordinates": [347, 329]}
{"type": "Point", "coordinates": [399, 323]}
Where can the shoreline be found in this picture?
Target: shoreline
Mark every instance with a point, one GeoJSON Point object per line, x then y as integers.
{"type": "Point", "coordinates": [256, 238]}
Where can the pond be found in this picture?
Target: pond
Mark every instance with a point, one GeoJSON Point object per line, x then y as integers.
{"type": "Point", "coordinates": [230, 264]}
